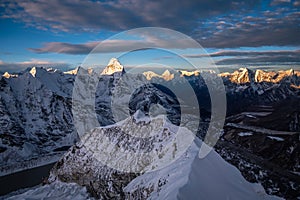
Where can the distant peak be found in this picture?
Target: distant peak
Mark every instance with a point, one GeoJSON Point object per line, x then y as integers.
{"type": "Point", "coordinates": [243, 69]}
{"type": "Point", "coordinates": [245, 75]}
{"type": "Point", "coordinates": [113, 66]}
{"type": "Point", "coordinates": [33, 71]}
{"type": "Point", "coordinates": [8, 75]}
{"type": "Point", "coordinates": [291, 72]}
{"type": "Point", "coordinates": [242, 75]}
{"type": "Point", "coordinates": [167, 75]}
{"type": "Point", "coordinates": [114, 61]}
{"type": "Point", "coordinates": [150, 74]}
{"type": "Point", "coordinates": [73, 71]}
{"type": "Point", "coordinates": [189, 73]}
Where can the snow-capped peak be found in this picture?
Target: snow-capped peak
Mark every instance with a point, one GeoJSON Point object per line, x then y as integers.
{"type": "Point", "coordinates": [112, 67]}
{"type": "Point", "coordinates": [167, 75]}
{"type": "Point", "coordinates": [33, 71]}
{"type": "Point", "coordinates": [73, 71]}
{"type": "Point", "coordinates": [189, 73]}
{"type": "Point", "coordinates": [243, 75]}
{"type": "Point", "coordinates": [8, 75]}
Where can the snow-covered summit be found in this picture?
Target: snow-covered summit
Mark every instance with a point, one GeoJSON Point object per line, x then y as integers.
{"type": "Point", "coordinates": [8, 75]}
{"type": "Point", "coordinates": [113, 67]}
{"type": "Point", "coordinates": [166, 75]}
{"type": "Point", "coordinates": [78, 69]}
{"type": "Point", "coordinates": [186, 177]}
{"type": "Point", "coordinates": [245, 75]}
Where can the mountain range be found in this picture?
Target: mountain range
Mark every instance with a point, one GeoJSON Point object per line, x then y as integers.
{"type": "Point", "coordinates": [260, 139]}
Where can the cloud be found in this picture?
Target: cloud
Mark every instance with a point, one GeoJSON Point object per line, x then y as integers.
{"type": "Point", "coordinates": [65, 48]}
{"type": "Point", "coordinates": [276, 2]}
{"type": "Point", "coordinates": [246, 31]}
{"type": "Point", "coordinates": [296, 3]}
{"type": "Point", "coordinates": [262, 60]}
{"type": "Point", "coordinates": [20, 66]}
{"type": "Point", "coordinates": [116, 15]}
{"type": "Point", "coordinates": [253, 57]}
{"type": "Point", "coordinates": [289, 53]}
{"type": "Point", "coordinates": [35, 62]}
{"type": "Point", "coordinates": [143, 39]}
{"type": "Point", "coordinates": [216, 24]}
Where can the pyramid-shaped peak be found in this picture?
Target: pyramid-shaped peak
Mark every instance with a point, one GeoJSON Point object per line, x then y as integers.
{"type": "Point", "coordinates": [291, 72]}
{"type": "Point", "coordinates": [115, 62]}
{"type": "Point", "coordinates": [33, 71]}
{"type": "Point", "coordinates": [8, 75]}
{"type": "Point", "coordinates": [166, 72]}
{"type": "Point", "coordinates": [113, 66]}
{"type": "Point", "coordinates": [167, 75]}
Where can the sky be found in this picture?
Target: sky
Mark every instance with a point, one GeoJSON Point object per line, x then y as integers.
{"type": "Point", "coordinates": [61, 34]}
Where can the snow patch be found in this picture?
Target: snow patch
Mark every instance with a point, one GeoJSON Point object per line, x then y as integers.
{"type": "Point", "coordinates": [276, 138]}
{"type": "Point", "coordinates": [193, 178]}
{"type": "Point", "coordinates": [242, 134]}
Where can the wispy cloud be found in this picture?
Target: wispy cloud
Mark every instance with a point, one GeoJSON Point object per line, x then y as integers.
{"type": "Point", "coordinates": [279, 28]}
{"type": "Point", "coordinates": [253, 57]}
{"type": "Point", "coordinates": [66, 48]}
{"type": "Point", "coordinates": [276, 2]}
{"type": "Point", "coordinates": [116, 15]}
{"type": "Point", "coordinates": [143, 39]}
{"type": "Point", "coordinates": [19, 66]}
{"type": "Point", "coordinates": [296, 3]}
{"type": "Point", "coordinates": [262, 60]}
{"type": "Point", "coordinates": [289, 53]}
{"type": "Point", "coordinates": [215, 24]}
{"type": "Point", "coordinates": [35, 62]}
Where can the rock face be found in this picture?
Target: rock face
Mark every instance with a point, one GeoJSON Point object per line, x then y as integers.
{"type": "Point", "coordinates": [108, 180]}
{"type": "Point", "coordinates": [184, 176]}
{"type": "Point", "coordinates": [36, 114]}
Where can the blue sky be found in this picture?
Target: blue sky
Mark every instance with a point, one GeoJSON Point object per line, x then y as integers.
{"type": "Point", "coordinates": [234, 33]}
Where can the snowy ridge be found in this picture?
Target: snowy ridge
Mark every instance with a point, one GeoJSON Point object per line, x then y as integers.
{"type": "Point", "coordinates": [192, 178]}
{"type": "Point", "coordinates": [185, 177]}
